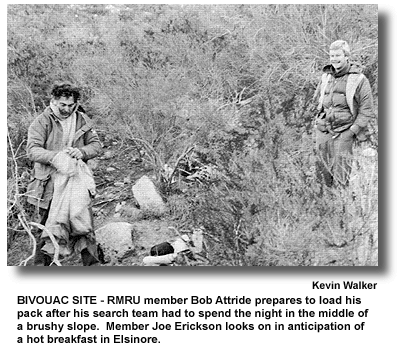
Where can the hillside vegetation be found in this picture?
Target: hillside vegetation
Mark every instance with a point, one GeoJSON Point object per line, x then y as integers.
{"type": "Point", "coordinates": [214, 101]}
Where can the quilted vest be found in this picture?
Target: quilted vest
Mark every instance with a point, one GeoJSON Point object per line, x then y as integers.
{"type": "Point", "coordinates": [352, 83]}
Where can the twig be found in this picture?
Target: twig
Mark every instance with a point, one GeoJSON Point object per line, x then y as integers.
{"type": "Point", "coordinates": [330, 228]}
{"type": "Point", "coordinates": [213, 237]}
{"type": "Point", "coordinates": [186, 152]}
{"type": "Point", "coordinates": [237, 235]}
{"type": "Point", "coordinates": [18, 148]}
{"type": "Point", "coordinates": [21, 216]}
{"type": "Point", "coordinates": [364, 48]}
{"type": "Point", "coordinates": [174, 229]}
{"type": "Point", "coordinates": [156, 160]}
{"type": "Point", "coordinates": [219, 36]}
{"type": "Point", "coordinates": [27, 229]}
{"type": "Point", "coordinates": [14, 229]}
{"type": "Point", "coordinates": [15, 167]}
{"type": "Point", "coordinates": [105, 201]}
{"type": "Point", "coordinates": [53, 240]}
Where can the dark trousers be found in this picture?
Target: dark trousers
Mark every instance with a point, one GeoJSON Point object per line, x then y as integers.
{"type": "Point", "coordinates": [335, 156]}
{"type": "Point", "coordinates": [44, 259]}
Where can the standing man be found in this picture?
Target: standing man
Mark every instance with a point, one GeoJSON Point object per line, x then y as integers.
{"type": "Point", "coordinates": [345, 105]}
{"type": "Point", "coordinates": [61, 127]}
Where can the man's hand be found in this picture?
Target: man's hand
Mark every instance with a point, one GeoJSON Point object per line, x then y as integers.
{"type": "Point", "coordinates": [74, 153]}
{"type": "Point", "coordinates": [321, 125]}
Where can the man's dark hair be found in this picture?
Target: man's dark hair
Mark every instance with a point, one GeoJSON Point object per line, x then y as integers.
{"type": "Point", "coordinates": [65, 90]}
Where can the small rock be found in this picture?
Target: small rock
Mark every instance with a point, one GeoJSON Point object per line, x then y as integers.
{"type": "Point", "coordinates": [116, 239]}
{"type": "Point", "coordinates": [92, 164]}
{"type": "Point", "coordinates": [107, 155]}
{"type": "Point", "coordinates": [198, 238]}
{"type": "Point", "coordinates": [147, 195]}
{"type": "Point", "coordinates": [131, 212]}
{"type": "Point", "coordinates": [110, 169]}
{"type": "Point", "coordinates": [369, 152]}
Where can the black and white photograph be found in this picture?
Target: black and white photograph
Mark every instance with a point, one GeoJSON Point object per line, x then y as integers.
{"type": "Point", "coordinates": [222, 135]}
{"type": "Point", "coordinates": [251, 145]}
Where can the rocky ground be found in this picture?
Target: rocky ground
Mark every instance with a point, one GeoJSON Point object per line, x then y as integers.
{"type": "Point", "coordinates": [115, 172]}
{"type": "Point", "coordinates": [120, 167]}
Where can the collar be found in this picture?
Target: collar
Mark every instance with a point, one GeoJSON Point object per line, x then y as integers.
{"type": "Point", "coordinates": [343, 71]}
{"type": "Point", "coordinates": [56, 113]}
{"type": "Point", "coordinates": [351, 67]}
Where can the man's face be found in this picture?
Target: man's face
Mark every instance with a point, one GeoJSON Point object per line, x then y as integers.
{"type": "Point", "coordinates": [65, 106]}
{"type": "Point", "coordinates": [338, 59]}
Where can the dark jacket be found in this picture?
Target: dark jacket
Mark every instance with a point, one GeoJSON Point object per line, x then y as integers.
{"type": "Point", "coordinates": [347, 101]}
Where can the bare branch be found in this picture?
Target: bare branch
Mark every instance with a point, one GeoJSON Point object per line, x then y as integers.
{"type": "Point", "coordinates": [27, 229]}
{"type": "Point", "coordinates": [53, 240]}
{"type": "Point", "coordinates": [187, 151]}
